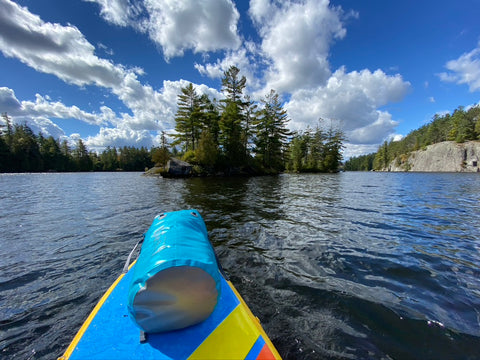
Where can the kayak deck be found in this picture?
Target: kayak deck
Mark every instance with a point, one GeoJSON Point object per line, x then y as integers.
{"type": "Point", "coordinates": [231, 332]}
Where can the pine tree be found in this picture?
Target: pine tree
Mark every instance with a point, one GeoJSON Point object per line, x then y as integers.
{"type": "Point", "coordinates": [25, 149]}
{"type": "Point", "coordinates": [67, 159]}
{"type": "Point", "coordinates": [188, 118]}
{"type": "Point", "coordinates": [231, 120]}
{"type": "Point", "coordinates": [248, 124]}
{"type": "Point", "coordinates": [233, 86]}
{"type": "Point", "coordinates": [465, 126]}
{"type": "Point", "coordinates": [382, 157]}
{"type": "Point", "coordinates": [317, 150]}
{"type": "Point", "coordinates": [51, 154]}
{"type": "Point", "coordinates": [8, 129]}
{"type": "Point", "coordinates": [271, 132]}
{"type": "Point", "coordinates": [81, 157]}
{"type": "Point", "coordinates": [6, 156]}
{"type": "Point", "coordinates": [297, 152]}
{"type": "Point", "coordinates": [161, 155]}
{"type": "Point", "coordinates": [207, 151]}
{"type": "Point", "coordinates": [231, 134]}
{"type": "Point", "coordinates": [333, 150]}
{"type": "Point", "coordinates": [109, 159]}
{"type": "Point", "coordinates": [210, 117]}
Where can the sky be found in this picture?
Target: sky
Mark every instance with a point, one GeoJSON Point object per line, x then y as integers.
{"type": "Point", "coordinates": [109, 71]}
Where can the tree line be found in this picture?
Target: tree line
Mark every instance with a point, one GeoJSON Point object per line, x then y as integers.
{"type": "Point", "coordinates": [238, 134]}
{"type": "Point", "coordinates": [461, 126]}
{"type": "Point", "coordinates": [23, 151]}
{"type": "Point", "coordinates": [316, 150]}
{"type": "Point", "coordinates": [360, 163]}
{"type": "Point", "coordinates": [231, 136]}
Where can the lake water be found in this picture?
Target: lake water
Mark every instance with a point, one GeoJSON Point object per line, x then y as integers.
{"type": "Point", "coordinates": [350, 265]}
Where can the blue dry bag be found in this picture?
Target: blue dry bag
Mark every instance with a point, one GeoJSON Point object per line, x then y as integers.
{"type": "Point", "coordinates": [176, 281]}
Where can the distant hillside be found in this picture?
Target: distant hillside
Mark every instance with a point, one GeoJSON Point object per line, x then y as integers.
{"type": "Point", "coordinates": [454, 132]}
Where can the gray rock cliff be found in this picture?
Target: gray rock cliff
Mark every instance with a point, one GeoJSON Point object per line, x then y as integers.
{"type": "Point", "coordinates": [447, 156]}
{"type": "Point", "coordinates": [178, 168]}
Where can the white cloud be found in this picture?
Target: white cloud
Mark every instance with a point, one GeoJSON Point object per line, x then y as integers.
{"type": "Point", "coordinates": [352, 150]}
{"type": "Point", "coordinates": [261, 11]}
{"type": "Point", "coordinates": [232, 58]}
{"type": "Point", "coordinates": [40, 124]}
{"type": "Point", "coordinates": [296, 38]}
{"type": "Point", "coordinates": [177, 26]}
{"type": "Point", "coordinates": [8, 102]}
{"type": "Point", "coordinates": [373, 133]}
{"type": "Point", "coordinates": [45, 108]}
{"type": "Point", "coordinates": [119, 137]}
{"type": "Point", "coordinates": [53, 48]}
{"type": "Point", "coordinates": [352, 98]}
{"type": "Point", "coordinates": [155, 112]}
{"type": "Point", "coordinates": [19, 115]}
{"type": "Point", "coordinates": [464, 70]}
{"type": "Point", "coordinates": [106, 49]}
{"type": "Point", "coordinates": [199, 25]}
{"type": "Point", "coordinates": [292, 58]}
{"type": "Point", "coordinates": [118, 12]}
{"type": "Point", "coordinates": [396, 137]}
{"type": "Point", "coordinates": [64, 52]}
{"type": "Point", "coordinates": [244, 59]}
{"type": "Point", "coordinates": [38, 114]}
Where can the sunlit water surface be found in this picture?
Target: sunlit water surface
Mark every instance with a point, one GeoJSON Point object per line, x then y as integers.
{"type": "Point", "coordinates": [350, 265]}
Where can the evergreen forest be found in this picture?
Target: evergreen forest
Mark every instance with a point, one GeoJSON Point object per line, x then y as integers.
{"type": "Point", "coordinates": [231, 136]}
{"type": "Point", "coordinates": [461, 126]}
{"type": "Point", "coordinates": [237, 134]}
{"type": "Point", "coordinates": [23, 151]}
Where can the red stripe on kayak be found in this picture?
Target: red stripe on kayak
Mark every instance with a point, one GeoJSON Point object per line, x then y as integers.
{"type": "Point", "coordinates": [265, 354]}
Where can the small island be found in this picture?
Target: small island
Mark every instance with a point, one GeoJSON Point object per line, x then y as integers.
{"type": "Point", "coordinates": [234, 136]}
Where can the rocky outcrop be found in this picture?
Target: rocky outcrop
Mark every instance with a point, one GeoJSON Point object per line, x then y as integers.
{"type": "Point", "coordinates": [154, 171]}
{"type": "Point", "coordinates": [177, 168]}
{"type": "Point", "coordinates": [447, 156]}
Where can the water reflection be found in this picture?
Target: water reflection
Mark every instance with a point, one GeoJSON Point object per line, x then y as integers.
{"type": "Point", "coordinates": [219, 200]}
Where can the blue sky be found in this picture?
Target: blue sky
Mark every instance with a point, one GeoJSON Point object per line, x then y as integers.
{"type": "Point", "coordinates": [109, 71]}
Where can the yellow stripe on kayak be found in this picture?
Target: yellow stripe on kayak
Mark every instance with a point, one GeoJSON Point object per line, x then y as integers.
{"type": "Point", "coordinates": [92, 315]}
{"type": "Point", "coordinates": [234, 337]}
{"type": "Point", "coordinates": [255, 320]}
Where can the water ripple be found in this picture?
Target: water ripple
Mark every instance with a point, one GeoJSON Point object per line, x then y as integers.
{"type": "Point", "coordinates": [353, 265]}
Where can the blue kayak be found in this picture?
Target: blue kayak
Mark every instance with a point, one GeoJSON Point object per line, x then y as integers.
{"type": "Point", "coordinates": [174, 302]}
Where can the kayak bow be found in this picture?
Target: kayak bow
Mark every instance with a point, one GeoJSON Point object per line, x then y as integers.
{"type": "Point", "coordinates": [230, 331]}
